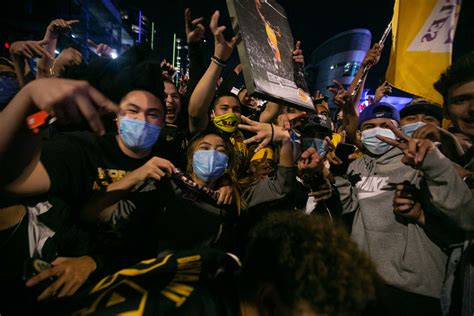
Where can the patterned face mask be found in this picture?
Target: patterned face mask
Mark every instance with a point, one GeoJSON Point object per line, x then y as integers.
{"type": "Point", "coordinates": [226, 122]}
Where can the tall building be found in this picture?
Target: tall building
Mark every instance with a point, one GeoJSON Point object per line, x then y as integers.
{"type": "Point", "coordinates": [100, 22]}
{"type": "Point", "coordinates": [339, 58]}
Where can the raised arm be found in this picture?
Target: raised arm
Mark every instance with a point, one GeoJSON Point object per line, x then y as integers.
{"type": "Point", "coordinates": [50, 39]}
{"type": "Point", "coordinates": [203, 94]}
{"type": "Point", "coordinates": [67, 100]}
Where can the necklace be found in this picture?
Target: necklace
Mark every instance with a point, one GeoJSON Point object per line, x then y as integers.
{"type": "Point", "coordinates": [14, 230]}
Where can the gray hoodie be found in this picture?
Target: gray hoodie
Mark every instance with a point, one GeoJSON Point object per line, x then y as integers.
{"type": "Point", "coordinates": [403, 254]}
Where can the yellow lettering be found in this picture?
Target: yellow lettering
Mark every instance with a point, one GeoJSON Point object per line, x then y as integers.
{"type": "Point", "coordinates": [113, 174]}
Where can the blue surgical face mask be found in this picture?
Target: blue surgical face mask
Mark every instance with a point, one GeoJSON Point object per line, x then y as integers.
{"type": "Point", "coordinates": [321, 145]}
{"type": "Point", "coordinates": [410, 128]}
{"type": "Point", "coordinates": [375, 145]}
{"type": "Point", "coordinates": [138, 135]}
{"type": "Point", "coordinates": [209, 165]}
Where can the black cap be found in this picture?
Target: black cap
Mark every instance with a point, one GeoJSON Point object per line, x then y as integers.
{"type": "Point", "coordinates": [316, 122]}
{"type": "Point", "coordinates": [422, 106]}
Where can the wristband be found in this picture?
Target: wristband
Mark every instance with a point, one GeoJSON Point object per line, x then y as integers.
{"type": "Point", "coordinates": [219, 62]}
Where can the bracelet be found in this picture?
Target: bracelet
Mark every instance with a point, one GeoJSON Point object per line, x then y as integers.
{"type": "Point", "coordinates": [273, 131]}
{"type": "Point", "coordinates": [219, 62]}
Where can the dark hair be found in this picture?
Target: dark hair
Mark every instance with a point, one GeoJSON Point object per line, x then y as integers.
{"type": "Point", "coordinates": [462, 71]}
{"type": "Point", "coordinates": [136, 69]}
{"type": "Point", "coordinates": [224, 94]}
{"type": "Point", "coordinates": [230, 152]}
{"type": "Point", "coordinates": [307, 259]}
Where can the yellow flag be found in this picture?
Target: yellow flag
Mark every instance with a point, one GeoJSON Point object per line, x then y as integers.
{"type": "Point", "coordinates": [422, 42]}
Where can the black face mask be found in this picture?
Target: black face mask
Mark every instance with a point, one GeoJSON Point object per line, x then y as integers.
{"type": "Point", "coordinates": [339, 123]}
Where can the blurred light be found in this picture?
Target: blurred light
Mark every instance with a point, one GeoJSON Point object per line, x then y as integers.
{"type": "Point", "coordinates": [332, 67]}
{"type": "Point", "coordinates": [113, 54]}
{"type": "Point", "coordinates": [73, 35]}
{"type": "Point", "coordinates": [7, 45]}
{"type": "Point", "coordinates": [57, 52]}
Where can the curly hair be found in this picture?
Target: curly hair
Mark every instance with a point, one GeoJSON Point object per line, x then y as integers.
{"type": "Point", "coordinates": [460, 72]}
{"type": "Point", "coordinates": [307, 259]}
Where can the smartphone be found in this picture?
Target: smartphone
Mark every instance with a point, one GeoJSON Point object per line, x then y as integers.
{"type": "Point", "coordinates": [343, 151]}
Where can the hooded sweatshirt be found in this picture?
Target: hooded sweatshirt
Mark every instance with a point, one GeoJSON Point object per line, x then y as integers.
{"type": "Point", "coordinates": [403, 254]}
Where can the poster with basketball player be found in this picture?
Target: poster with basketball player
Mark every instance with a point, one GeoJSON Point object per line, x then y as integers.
{"type": "Point", "coordinates": [265, 53]}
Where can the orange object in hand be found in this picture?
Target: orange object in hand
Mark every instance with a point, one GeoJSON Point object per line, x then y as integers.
{"type": "Point", "coordinates": [36, 120]}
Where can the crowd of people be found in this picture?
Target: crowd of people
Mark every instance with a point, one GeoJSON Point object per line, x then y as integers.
{"type": "Point", "coordinates": [126, 190]}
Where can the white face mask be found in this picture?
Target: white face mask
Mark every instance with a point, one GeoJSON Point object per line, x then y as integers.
{"type": "Point", "coordinates": [375, 145]}
{"type": "Point", "coordinates": [410, 128]}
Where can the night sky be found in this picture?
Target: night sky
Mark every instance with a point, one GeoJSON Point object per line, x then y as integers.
{"type": "Point", "coordinates": [312, 22]}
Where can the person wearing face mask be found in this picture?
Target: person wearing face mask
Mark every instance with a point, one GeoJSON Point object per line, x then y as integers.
{"type": "Point", "coordinates": [78, 166]}
{"type": "Point", "coordinates": [411, 265]}
{"type": "Point", "coordinates": [180, 211]}
{"type": "Point", "coordinates": [422, 119]}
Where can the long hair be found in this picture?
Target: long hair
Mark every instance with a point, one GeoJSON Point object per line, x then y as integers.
{"type": "Point", "coordinates": [231, 166]}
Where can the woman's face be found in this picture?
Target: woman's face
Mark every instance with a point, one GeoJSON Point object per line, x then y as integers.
{"type": "Point", "coordinates": [210, 142]}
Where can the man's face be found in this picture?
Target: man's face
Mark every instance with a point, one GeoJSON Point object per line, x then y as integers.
{"type": "Point", "coordinates": [420, 117]}
{"type": "Point", "coordinates": [142, 105]}
{"type": "Point", "coordinates": [173, 103]}
{"type": "Point", "coordinates": [460, 108]}
{"type": "Point", "coordinates": [226, 105]}
{"type": "Point", "coordinates": [377, 122]}
{"type": "Point", "coordinates": [245, 99]}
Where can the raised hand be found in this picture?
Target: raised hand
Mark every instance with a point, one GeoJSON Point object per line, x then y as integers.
{"type": "Point", "coordinates": [382, 90]}
{"type": "Point", "coordinates": [30, 49]}
{"type": "Point", "coordinates": [194, 28]}
{"type": "Point", "coordinates": [265, 133]}
{"type": "Point", "coordinates": [414, 150]}
{"type": "Point", "coordinates": [70, 100]}
{"type": "Point", "coordinates": [284, 120]}
{"type": "Point", "coordinates": [298, 54]}
{"type": "Point", "coordinates": [342, 97]}
{"type": "Point", "coordinates": [373, 56]}
{"type": "Point", "coordinates": [59, 26]}
{"type": "Point", "coordinates": [222, 48]}
{"type": "Point", "coordinates": [70, 274]}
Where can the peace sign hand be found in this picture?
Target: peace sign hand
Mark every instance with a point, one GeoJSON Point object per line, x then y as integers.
{"type": "Point", "coordinates": [414, 150]}
{"type": "Point", "coordinates": [342, 97]}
